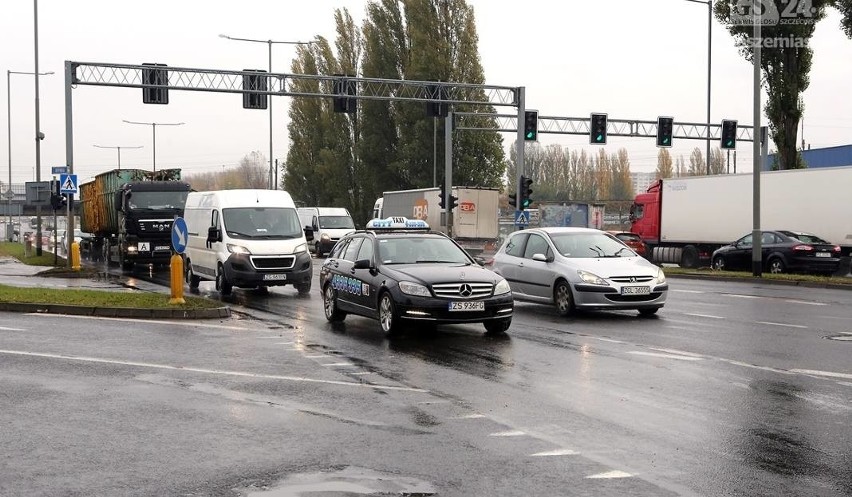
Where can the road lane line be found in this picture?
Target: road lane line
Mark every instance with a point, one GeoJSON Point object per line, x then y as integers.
{"type": "Point", "coordinates": [11, 329]}
{"type": "Point", "coordinates": [740, 296]}
{"type": "Point", "coordinates": [665, 356]}
{"type": "Point", "coordinates": [510, 433]}
{"type": "Point", "coordinates": [471, 416]}
{"type": "Point", "coordinates": [284, 343]}
{"type": "Point", "coordinates": [609, 475]}
{"type": "Point", "coordinates": [686, 291]}
{"type": "Point", "coordinates": [703, 315]}
{"type": "Point", "coordinates": [678, 352]}
{"type": "Point", "coordinates": [805, 302]}
{"type": "Point", "coordinates": [827, 374]}
{"type": "Point", "coordinates": [336, 364]}
{"type": "Point", "coordinates": [783, 324]}
{"type": "Point", "coordinates": [558, 452]}
{"type": "Point", "coordinates": [210, 371]}
{"type": "Point", "coordinates": [131, 320]}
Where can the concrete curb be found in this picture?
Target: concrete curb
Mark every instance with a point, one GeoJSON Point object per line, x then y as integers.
{"type": "Point", "coordinates": [118, 312]}
{"type": "Point", "coordinates": [805, 284]}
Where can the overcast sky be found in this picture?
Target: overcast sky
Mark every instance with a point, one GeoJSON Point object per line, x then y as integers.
{"type": "Point", "coordinates": [634, 59]}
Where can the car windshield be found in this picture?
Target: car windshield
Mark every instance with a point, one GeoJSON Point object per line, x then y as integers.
{"type": "Point", "coordinates": [421, 250]}
{"type": "Point", "coordinates": [157, 200]}
{"type": "Point", "coordinates": [262, 222]}
{"type": "Point", "coordinates": [589, 245]}
{"type": "Point", "coordinates": [336, 222]}
{"type": "Point", "coordinates": [804, 237]}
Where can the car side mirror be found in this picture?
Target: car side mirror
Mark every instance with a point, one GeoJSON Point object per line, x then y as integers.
{"type": "Point", "coordinates": [309, 233]}
{"type": "Point", "coordinates": [363, 264]}
{"type": "Point", "coordinates": [480, 261]}
{"type": "Point", "coordinates": [541, 258]}
{"type": "Point", "coordinates": [213, 235]}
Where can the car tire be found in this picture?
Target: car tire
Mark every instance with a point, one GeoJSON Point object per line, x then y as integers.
{"type": "Point", "coordinates": [562, 298]}
{"type": "Point", "coordinates": [222, 284]}
{"type": "Point", "coordinates": [317, 250]}
{"type": "Point", "coordinates": [388, 317]}
{"type": "Point", "coordinates": [304, 288]}
{"type": "Point", "coordinates": [689, 257]}
{"type": "Point", "coordinates": [262, 290]}
{"type": "Point", "coordinates": [776, 265]}
{"type": "Point", "coordinates": [718, 263]}
{"type": "Point", "coordinates": [497, 326]}
{"type": "Point", "coordinates": [648, 311]}
{"type": "Point", "coordinates": [329, 304]}
{"type": "Point", "coordinates": [191, 278]}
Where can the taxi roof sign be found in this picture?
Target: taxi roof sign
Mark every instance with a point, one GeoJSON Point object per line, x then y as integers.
{"type": "Point", "coordinates": [397, 223]}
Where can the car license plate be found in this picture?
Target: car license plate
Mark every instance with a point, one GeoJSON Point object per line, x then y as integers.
{"type": "Point", "coordinates": [163, 247]}
{"type": "Point", "coordinates": [822, 254]}
{"type": "Point", "coordinates": [467, 306]}
{"type": "Point", "coordinates": [635, 290]}
{"type": "Point", "coordinates": [268, 277]}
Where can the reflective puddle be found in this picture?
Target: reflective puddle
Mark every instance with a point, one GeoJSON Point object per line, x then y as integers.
{"type": "Point", "coordinates": [349, 481]}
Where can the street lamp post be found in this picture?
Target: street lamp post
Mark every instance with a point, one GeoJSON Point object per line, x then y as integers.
{"type": "Point", "coordinates": [709, 4]}
{"type": "Point", "coordinates": [9, 131]}
{"type": "Point", "coordinates": [154, 132]}
{"type": "Point", "coordinates": [119, 152]}
{"type": "Point", "coordinates": [273, 171]}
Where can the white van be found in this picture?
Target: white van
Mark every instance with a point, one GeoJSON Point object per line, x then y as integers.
{"type": "Point", "coordinates": [327, 225]}
{"type": "Point", "coordinates": [245, 239]}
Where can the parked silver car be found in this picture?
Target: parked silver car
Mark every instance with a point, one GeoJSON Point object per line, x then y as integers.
{"type": "Point", "coordinates": [579, 268]}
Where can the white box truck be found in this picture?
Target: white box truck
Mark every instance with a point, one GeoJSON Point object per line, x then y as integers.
{"type": "Point", "coordinates": [683, 220]}
{"type": "Point", "coordinates": [475, 218]}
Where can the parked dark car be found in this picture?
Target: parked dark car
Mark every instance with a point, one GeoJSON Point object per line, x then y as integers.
{"type": "Point", "coordinates": [781, 251]}
{"type": "Point", "coordinates": [633, 241]}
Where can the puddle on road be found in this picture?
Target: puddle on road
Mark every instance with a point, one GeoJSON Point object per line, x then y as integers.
{"type": "Point", "coordinates": [348, 481]}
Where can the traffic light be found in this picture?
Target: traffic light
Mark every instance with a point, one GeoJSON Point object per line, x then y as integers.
{"type": "Point", "coordinates": [665, 127]}
{"type": "Point", "coordinates": [526, 192]}
{"type": "Point", "coordinates": [530, 125]}
{"type": "Point", "coordinates": [513, 199]}
{"type": "Point", "coordinates": [155, 77]}
{"type": "Point", "coordinates": [344, 91]}
{"type": "Point", "coordinates": [254, 82]}
{"type": "Point", "coordinates": [437, 108]}
{"type": "Point", "coordinates": [57, 200]}
{"type": "Point", "coordinates": [597, 129]}
{"type": "Point", "coordinates": [729, 134]}
{"type": "Point", "coordinates": [454, 202]}
{"type": "Point", "coordinates": [442, 202]}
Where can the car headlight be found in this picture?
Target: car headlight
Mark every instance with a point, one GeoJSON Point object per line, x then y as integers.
{"type": "Point", "coordinates": [325, 237]}
{"type": "Point", "coordinates": [591, 278]}
{"type": "Point", "coordinates": [502, 288]}
{"type": "Point", "coordinates": [661, 276]}
{"type": "Point", "coordinates": [237, 249]}
{"type": "Point", "coordinates": [302, 247]}
{"type": "Point", "coordinates": [415, 289]}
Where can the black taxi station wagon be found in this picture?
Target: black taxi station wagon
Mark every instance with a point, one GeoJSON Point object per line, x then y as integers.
{"type": "Point", "coordinates": [398, 271]}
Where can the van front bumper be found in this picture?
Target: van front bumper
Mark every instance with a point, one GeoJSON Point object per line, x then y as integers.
{"type": "Point", "coordinates": [242, 273]}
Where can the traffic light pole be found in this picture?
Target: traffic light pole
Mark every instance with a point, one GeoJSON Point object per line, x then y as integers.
{"type": "Point", "coordinates": [448, 170]}
{"type": "Point", "coordinates": [520, 144]}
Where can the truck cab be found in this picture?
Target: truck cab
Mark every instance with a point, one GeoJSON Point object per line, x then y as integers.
{"type": "Point", "coordinates": [645, 214]}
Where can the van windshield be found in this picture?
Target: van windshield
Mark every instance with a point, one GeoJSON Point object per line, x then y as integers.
{"type": "Point", "coordinates": [261, 222]}
{"type": "Point", "coordinates": [336, 222]}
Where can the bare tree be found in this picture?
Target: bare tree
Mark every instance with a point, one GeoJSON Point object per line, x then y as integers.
{"type": "Point", "coordinates": [697, 166]}
{"type": "Point", "coordinates": [717, 161]}
{"type": "Point", "coordinates": [253, 171]}
{"type": "Point", "coordinates": [664, 164]}
{"type": "Point", "coordinates": [680, 167]}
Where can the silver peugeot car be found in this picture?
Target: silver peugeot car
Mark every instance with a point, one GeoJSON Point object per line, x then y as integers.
{"type": "Point", "coordinates": [579, 268]}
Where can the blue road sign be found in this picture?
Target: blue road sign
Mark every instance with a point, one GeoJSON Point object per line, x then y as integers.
{"type": "Point", "coordinates": [68, 183]}
{"type": "Point", "coordinates": [179, 235]}
{"type": "Point", "coordinates": [59, 170]}
{"type": "Point", "coordinates": [522, 218]}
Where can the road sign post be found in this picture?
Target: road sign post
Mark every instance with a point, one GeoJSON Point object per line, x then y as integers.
{"type": "Point", "coordinates": [179, 239]}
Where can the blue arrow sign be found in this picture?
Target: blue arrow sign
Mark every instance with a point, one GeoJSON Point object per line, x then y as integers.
{"type": "Point", "coordinates": [68, 183]}
{"type": "Point", "coordinates": [179, 235]}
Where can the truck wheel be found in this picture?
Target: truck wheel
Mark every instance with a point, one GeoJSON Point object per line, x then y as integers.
{"type": "Point", "coordinates": [562, 298]}
{"type": "Point", "coordinates": [222, 284]}
{"type": "Point", "coordinates": [689, 257]}
{"type": "Point", "coordinates": [191, 278]}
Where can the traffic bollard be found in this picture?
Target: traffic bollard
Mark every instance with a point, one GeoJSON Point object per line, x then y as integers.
{"type": "Point", "coordinates": [176, 279]}
{"type": "Point", "coordinates": [75, 256]}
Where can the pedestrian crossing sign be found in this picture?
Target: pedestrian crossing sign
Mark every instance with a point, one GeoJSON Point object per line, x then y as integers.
{"type": "Point", "coordinates": [522, 218]}
{"type": "Point", "coordinates": [68, 183]}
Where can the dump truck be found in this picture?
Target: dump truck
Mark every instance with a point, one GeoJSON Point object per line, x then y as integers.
{"type": "Point", "coordinates": [129, 213]}
{"type": "Point", "coordinates": [683, 220]}
{"type": "Point", "coordinates": [475, 218]}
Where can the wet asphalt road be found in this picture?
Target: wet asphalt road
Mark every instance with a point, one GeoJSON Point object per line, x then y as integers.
{"type": "Point", "coordinates": [734, 389]}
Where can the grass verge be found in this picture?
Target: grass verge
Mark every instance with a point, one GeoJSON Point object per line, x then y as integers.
{"type": "Point", "coordinates": [799, 278]}
{"type": "Point", "coordinates": [16, 250]}
{"type": "Point", "coordinates": [98, 298]}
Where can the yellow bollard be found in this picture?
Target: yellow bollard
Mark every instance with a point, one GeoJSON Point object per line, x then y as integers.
{"type": "Point", "coordinates": [75, 256]}
{"type": "Point", "coordinates": [176, 279]}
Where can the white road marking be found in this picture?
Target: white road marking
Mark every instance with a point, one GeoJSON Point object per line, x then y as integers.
{"type": "Point", "coordinates": [315, 356]}
{"type": "Point", "coordinates": [608, 340]}
{"type": "Point", "coordinates": [609, 474]}
{"type": "Point", "coordinates": [665, 356]}
{"type": "Point", "coordinates": [11, 329]}
{"type": "Point", "coordinates": [210, 371]}
{"type": "Point", "coordinates": [704, 315]}
{"type": "Point", "coordinates": [783, 324]}
{"type": "Point", "coordinates": [827, 374]}
{"type": "Point", "coordinates": [686, 291]}
{"type": "Point", "coordinates": [364, 372]}
{"type": "Point", "coordinates": [471, 416]}
{"type": "Point", "coordinates": [284, 343]}
{"type": "Point", "coordinates": [131, 320]}
{"type": "Point", "coordinates": [739, 296]}
{"type": "Point", "coordinates": [431, 402]}
{"type": "Point", "coordinates": [679, 352]}
{"type": "Point", "coordinates": [510, 433]}
{"type": "Point", "coordinates": [336, 364]}
{"type": "Point", "coordinates": [805, 302]}
{"type": "Point", "coordinates": [558, 452]}
{"type": "Point", "coordinates": [270, 338]}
